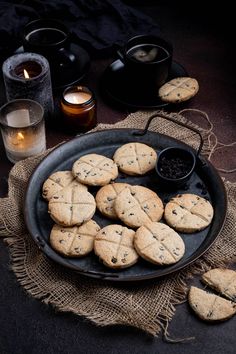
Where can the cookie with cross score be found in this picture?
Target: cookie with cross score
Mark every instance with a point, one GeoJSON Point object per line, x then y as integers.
{"type": "Point", "coordinates": [106, 196]}
{"type": "Point", "coordinates": [58, 181]}
{"type": "Point", "coordinates": [76, 241]}
{"type": "Point", "coordinates": [188, 213]}
{"type": "Point", "coordinates": [95, 170]}
{"type": "Point", "coordinates": [222, 280]}
{"type": "Point", "coordinates": [137, 205]}
{"type": "Point", "coordinates": [158, 243]}
{"type": "Point", "coordinates": [210, 307]}
{"type": "Point", "coordinates": [178, 90]}
{"type": "Point", "coordinates": [72, 206]}
{"type": "Point", "coordinates": [114, 246]}
{"type": "Point", "coordinates": [135, 158]}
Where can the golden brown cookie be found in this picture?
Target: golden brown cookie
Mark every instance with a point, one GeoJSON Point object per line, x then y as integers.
{"type": "Point", "coordinates": [106, 196]}
{"type": "Point", "coordinates": [72, 206]}
{"type": "Point", "coordinates": [74, 241]}
{"type": "Point", "coordinates": [114, 246]}
{"type": "Point", "coordinates": [57, 181]}
{"type": "Point", "coordinates": [188, 213]}
{"type": "Point", "coordinates": [95, 170]}
{"type": "Point", "coordinates": [222, 280]}
{"type": "Point", "coordinates": [135, 158]}
{"type": "Point", "coordinates": [178, 90]}
{"type": "Point", "coordinates": [158, 243]}
{"type": "Point", "coordinates": [210, 307]}
{"type": "Point", "coordinates": [137, 205]}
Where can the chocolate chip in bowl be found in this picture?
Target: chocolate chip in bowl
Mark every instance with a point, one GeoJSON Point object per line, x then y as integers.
{"type": "Point", "coordinates": [175, 166]}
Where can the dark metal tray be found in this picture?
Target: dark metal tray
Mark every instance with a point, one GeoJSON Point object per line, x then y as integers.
{"type": "Point", "coordinates": [205, 182]}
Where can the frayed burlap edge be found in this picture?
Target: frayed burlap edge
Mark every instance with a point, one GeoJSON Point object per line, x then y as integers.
{"type": "Point", "coordinates": [136, 315]}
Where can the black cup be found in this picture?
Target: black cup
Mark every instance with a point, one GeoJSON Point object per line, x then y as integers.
{"type": "Point", "coordinates": [175, 166]}
{"type": "Point", "coordinates": [147, 59]}
{"type": "Point", "coordinates": [51, 39]}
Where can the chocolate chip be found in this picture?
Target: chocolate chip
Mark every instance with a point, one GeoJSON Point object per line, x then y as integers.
{"type": "Point", "coordinates": [174, 212]}
{"type": "Point", "coordinates": [114, 260]}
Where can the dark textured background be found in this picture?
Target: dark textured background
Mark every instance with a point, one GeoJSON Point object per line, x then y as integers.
{"type": "Point", "coordinates": [203, 43]}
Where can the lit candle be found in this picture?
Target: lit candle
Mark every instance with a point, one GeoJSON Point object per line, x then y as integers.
{"type": "Point", "coordinates": [27, 75]}
{"type": "Point", "coordinates": [22, 127]}
{"type": "Point", "coordinates": [79, 108]}
{"type": "Point", "coordinates": [77, 97]}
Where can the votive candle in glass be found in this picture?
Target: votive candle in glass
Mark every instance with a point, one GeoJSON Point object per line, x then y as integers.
{"type": "Point", "coordinates": [78, 106]}
{"type": "Point", "coordinates": [27, 75]}
{"type": "Point", "coordinates": [22, 128]}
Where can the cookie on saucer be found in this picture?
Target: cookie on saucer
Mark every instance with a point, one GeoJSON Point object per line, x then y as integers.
{"type": "Point", "coordinates": [178, 90]}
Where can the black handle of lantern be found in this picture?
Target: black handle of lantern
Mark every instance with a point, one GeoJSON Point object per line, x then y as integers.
{"type": "Point", "coordinates": [167, 117]}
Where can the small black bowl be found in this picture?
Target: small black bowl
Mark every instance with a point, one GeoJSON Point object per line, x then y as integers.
{"type": "Point", "coordinates": [175, 166]}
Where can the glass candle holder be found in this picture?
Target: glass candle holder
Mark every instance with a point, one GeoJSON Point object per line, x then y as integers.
{"type": "Point", "coordinates": [22, 128]}
{"type": "Point", "coordinates": [78, 106]}
{"type": "Point", "coordinates": [27, 75]}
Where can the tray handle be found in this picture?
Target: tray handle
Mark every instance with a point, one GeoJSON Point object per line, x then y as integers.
{"type": "Point", "coordinates": [155, 115]}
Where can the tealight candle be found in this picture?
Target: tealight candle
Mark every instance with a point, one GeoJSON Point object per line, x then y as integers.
{"type": "Point", "coordinates": [79, 108]}
{"type": "Point", "coordinates": [27, 75]}
{"type": "Point", "coordinates": [22, 127]}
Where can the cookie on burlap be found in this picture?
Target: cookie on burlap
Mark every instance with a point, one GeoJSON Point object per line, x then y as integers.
{"type": "Point", "coordinates": [114, 246]}
{"type": "Point", "coordinates": [222, 280]}
{"type": "Point", "coordinates": [188, 213]}
{"type": "Point", "coordinates": [57, 181]}
{"type": "Point", "coordinates": [72, 206]}
{"type": "Point", "coordinates": [158, 243]}
{"type": "Point", "coordinates": [76, 241]}
{"type": "Point", "coordinates": [137, 205]}
{"type": "Point", "coordinates": [95, 170]}
{"type": "Point", "coordinates": [106, 196]}
{"type": "Point", "coordinates": [135, 158]}
{"type": "Point", "coordinates": [178, 90]}
{"type": "Point", "coordinates": [210, 307]}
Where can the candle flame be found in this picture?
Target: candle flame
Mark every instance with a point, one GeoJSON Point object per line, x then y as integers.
{"type": "Point", "coordinates": [20, 136]}
{"type": "Point", "coordinates": [26, 75]}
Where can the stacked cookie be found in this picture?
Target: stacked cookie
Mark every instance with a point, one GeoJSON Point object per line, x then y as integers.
{"type": "Point", "coordinates": [137, 208]}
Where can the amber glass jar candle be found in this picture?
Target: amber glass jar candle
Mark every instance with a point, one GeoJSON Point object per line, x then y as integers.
{"type": "Point", "coordinates": [78, 106]}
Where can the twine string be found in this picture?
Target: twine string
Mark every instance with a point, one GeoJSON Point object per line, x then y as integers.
{"type": "Point", "coordinates": [213, 143]}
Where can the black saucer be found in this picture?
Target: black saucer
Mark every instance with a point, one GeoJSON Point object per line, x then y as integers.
{"type": "Point", "coordinates": [115, 87]}
{"type": "Point", "coordinates": [72, 74]}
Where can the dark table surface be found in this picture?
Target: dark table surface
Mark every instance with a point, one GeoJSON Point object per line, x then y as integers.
{"type": "Point", "coordinates": [202, 44]}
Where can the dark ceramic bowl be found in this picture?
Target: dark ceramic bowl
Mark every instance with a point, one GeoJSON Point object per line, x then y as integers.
{"type": "Point", "coordinates": [175, 166]}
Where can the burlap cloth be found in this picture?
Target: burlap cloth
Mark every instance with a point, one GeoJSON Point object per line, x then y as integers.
{"type": "Point", "coordinates": [146, 306]}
